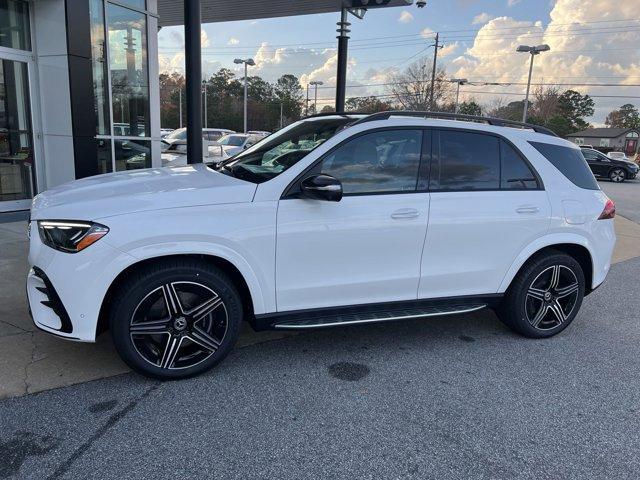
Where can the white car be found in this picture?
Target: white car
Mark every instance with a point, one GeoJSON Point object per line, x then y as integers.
{"type": "Point", "coordinates": [386, 217]}
{"type": "Point", "coordinates": [176, 141]}
{"type": "Point", "coordinates": [618, 156]}
{"type": "Point", "coordinates": [233, 144]}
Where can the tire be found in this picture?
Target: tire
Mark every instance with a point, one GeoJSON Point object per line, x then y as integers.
{"type": "Point", "coordinates": [175, 319]}
{"type": "Point", "coordinates": [617, 175]}
{"type": "Point", "coordinates": [531, 304]}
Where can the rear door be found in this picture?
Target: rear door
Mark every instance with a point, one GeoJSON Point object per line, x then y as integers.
{"type": "Point", "coordinates": [486, 205]}
{"type": "Point", "coordinates": [598, 163]}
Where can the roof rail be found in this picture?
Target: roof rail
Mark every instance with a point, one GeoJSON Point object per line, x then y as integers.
{"type": "Point", "coordinates": [334, 114]}
{"type": "Point", "coordinates": [498, 122]}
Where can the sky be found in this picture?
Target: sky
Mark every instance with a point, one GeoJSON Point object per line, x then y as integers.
{"type": "Point", "coordinates": [593, 42]}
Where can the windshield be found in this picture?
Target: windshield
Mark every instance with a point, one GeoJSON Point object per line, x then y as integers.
{"type": "Point", "coordinates": [279, 152]}
{"type": "Point", "coordinates": [616, 155]}
{"type": "Point", "coordinates": [179, 134]}
{"type": "Point", "coordinates": [232, 140]}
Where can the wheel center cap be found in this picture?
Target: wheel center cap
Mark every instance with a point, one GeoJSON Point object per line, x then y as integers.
{"type": "Point", "coordinates": [547, 296]}
{"type": "Point", "coordinates": [180, 323]}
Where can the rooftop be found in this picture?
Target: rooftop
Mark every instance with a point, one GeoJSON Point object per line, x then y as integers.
{"type": "Point", "coordinates": [601, 132]}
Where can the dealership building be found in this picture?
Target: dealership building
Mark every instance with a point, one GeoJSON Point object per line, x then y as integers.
{"type": "Point", "coordinates": [79, 89]}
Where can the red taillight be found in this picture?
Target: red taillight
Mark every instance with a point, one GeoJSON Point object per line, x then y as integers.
{"type": "Point", "coordinates": [609, 210]}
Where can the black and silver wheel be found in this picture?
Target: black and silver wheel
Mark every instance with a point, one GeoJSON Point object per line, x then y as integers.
{"type": "Point", "coordinates": [176, 319]}
{"type": "Point", "coordinates": [545, 296]}
{"type": "Point", "coordinates": [617, 175]}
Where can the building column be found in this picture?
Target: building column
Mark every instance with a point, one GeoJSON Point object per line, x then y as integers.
{"type": "Point", "coordinates": [193, 74]}
{"type": "Point", "coordinates": [343, 49]}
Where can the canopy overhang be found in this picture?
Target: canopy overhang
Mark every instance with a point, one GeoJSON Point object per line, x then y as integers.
{"type": "Point", "coordinates": [171, 12]}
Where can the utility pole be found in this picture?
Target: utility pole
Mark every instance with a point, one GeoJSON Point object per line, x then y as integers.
{"type": "Point", "coordinates": [307, 102]}
{"type": "Point", "coordinates": [315, 83]}
{"type": "Point", "coordinates": [436, 46]}
{"type": "Point", "coordinates": [458, 81]}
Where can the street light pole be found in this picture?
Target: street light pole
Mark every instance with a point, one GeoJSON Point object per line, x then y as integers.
{"type": "Point", "coordinates": [247, 62]}
{"type": "Point", "coordinates": [315, 83]}
{"type": "Point", "coordinates": [458, 81]}
{"type": "Point", "coordinates": [180, 104]}
{"type": "Point", "coordinates": [206, 113]}
{"type": "Point", "coordinates": [533, 51]}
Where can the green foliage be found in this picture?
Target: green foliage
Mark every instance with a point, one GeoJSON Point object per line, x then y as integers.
{"type": "Point", "coordinates": [627, 116]}
{"type": "Point", "coordinates": [367, 105]}
{"type": "Point", "coordinates": [470, 108]}
{"type": "Point", "coordinates": [225, 101]}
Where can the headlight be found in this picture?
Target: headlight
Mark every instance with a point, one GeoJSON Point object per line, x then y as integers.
{"type": "Point", "coordinates": [70, 237]}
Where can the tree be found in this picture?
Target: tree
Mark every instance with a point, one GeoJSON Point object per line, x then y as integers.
{"type": "Point", "coordinates": [470, 107]}
{"type": "Point", "coordinates": [510, 111]}
{"type": "Point", "coordinates": [411, 89]}
{"type": "Point", "coordinates": [546, 104]}
{"type": "Point", "coordinates": [289, 92]}
{"type": "Point", "coordinates": [627, 116]}
{"type": "Point", "coordinates": [170, 86]}
{"type": "Point", "coordinates": [370, 104]}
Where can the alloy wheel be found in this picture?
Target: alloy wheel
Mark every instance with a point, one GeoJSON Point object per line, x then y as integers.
{"type": "Point", "coordinates": [551, 297]}
{"type": "Point", "coordinates": [178, 325]}
{"type": "Point", "coordinates": [617, 175]}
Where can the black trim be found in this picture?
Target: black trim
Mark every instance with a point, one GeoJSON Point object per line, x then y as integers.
{"type": "Point", "coordinates": [266, 321]}
{"type": "Point", "coordinates": [53, 302]}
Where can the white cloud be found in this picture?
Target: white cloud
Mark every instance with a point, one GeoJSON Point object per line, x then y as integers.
{"type": "Point", "coordinates": [574, 57]}
{"type": "Point", "coordinates": [233, 41]}
{"type": "Point", "coordinates": [405, 17]}
{"type": "Point", "coordinates": [481, 18]}
{"type": "Point", "coordinates": [511, 3]}
{"type": "Point", "coordinates": [204, 39]}
{"type": "Point", "coordinates": [427, 33]}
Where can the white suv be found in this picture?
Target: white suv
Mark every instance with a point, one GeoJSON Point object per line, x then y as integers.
{"type": "Point", "coordinates": [333, 220]}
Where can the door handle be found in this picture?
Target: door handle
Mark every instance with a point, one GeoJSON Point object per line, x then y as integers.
{"type": "Point", "coordinates": [524, 209]}
{"type": "Point", "coordinates": [405, 213]}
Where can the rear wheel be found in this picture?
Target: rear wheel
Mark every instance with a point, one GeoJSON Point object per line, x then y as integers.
{"type": "Point", "coordinates": [617, 175]}
{"type": "Point", "coordinates": [175, 319]}
{"type": "Point", "coordinates": [545, 296]}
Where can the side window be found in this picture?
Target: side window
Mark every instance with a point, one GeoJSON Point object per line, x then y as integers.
{"type": "Point", "coordinates": [570, 162]}
{"type": "Point", "coordinates": [465, 161]}
{"type": "Point", "coordinates": [383, 161]}
{"type": "Point", "coordinates": [515, 173]}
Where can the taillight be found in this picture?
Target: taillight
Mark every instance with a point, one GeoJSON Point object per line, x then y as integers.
{"type": "Point", "coordinates": [609, 210]}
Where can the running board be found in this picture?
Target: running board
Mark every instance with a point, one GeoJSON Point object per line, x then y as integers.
{"type": "Point", "coordinates": [301, 321]}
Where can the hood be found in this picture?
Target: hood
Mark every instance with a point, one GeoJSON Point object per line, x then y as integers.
{"type": "Point", "coordinates": [139, 190]}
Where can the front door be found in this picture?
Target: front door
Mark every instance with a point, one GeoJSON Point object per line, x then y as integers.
{"type": "Point", "coordinates": [17, 176]}
{"type": "Point", "coordinates": [365, 248]}
{"type": "Point", "coordinates": [598, 162]}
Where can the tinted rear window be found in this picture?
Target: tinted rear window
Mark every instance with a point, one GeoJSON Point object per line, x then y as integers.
{"type": "Point", "coordinates": [570, 162]}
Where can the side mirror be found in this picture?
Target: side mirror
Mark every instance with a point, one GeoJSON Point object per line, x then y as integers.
{"type": "Point", "coordinates": [322, 187]}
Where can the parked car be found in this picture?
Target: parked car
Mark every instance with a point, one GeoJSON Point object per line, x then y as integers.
{"type": "Point", "coordinates": [618, 156]}
{"type": "Point", "coordinates": [165, 131]}
{"type": "Point", "coordinates": [379, 218]}
{"type": "Point", "coordinates": [607, 167]}
{"type": "Point", "coordinates": [232, 144]}
{"type": "Point", "coordinates": [176, 141]}
{"type": "Point", "coordinates": [261, 133]}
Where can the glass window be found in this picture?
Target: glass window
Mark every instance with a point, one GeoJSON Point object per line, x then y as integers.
{"type": "Point", "coordinates": [465, 161]}
{"type": "Point", "coordinates": [16, 152]}
{"type": "Point", "coordinates": [14, 24]}
{"type": "Point", "coordinates": [132, 154]}
{"type": "Point", "coordinates": [570, 162]}
{"type": "Point", "coordinates": [604, 142]}
{"type": "Point", "coordinates": [139, 4]}
{"type": "Point", "coordinates": [384, 161]}
{"type": "Point", "coordinates": [99, 67]}
{"type": "Point", "coordinates": [269, 158]}
{"type": "Point", "coordinates": [104, 156]}
{"type": "Point", "coordinates": [515, 173]}
{"type": "Point", "coordinates": [128, 69]}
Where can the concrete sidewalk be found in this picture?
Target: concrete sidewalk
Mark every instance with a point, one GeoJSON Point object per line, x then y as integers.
{"type": "Point", "coordinates": [32, 361]}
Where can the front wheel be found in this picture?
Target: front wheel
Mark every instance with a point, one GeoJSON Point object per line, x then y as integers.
{"type": "Point", "coordinates": [545, 296]}
{"type": "Point", "coordinates": [617, 175]}
{"type": "Point", "coordinates": [175, 319]}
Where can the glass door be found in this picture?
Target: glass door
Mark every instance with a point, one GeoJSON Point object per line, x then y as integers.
{"type": "Point", "coordinates": [16, 136]}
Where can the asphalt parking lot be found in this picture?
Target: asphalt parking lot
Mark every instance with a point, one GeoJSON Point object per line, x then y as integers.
{"type": "Point", "coordinates": [626, 196]}
{"type": "Point", "coordinates": [457, 397]}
